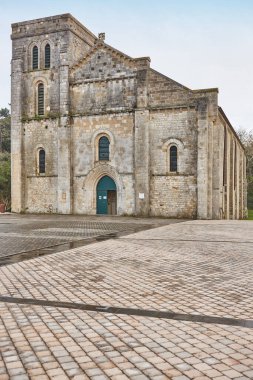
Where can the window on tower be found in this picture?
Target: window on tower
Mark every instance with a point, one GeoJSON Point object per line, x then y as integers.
{"type": "Point", "coordinates": [35, 58]}
{"type": "Point", "coordinates": [40, 99]}
{"type": "Point", "coordinates": [47, 56]}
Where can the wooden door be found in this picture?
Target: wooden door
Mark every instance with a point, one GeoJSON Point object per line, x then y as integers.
{"type": "Point", "coordinates": [112, 202]}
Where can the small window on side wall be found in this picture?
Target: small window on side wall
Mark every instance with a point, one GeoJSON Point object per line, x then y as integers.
{"type": "Point", "coordinates": [35, 58]}
{"type": "Point", "coordinates": [104, 148]}
{"type": "Point", "coordinates": [173, 158]}
{"type": "Point", "coordinates": [42, 161]}
{"type": "Point", "coordinates": [47, 56]}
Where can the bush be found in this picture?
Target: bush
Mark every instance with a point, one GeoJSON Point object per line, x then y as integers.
{"type": "Point", "coordinates": [5, 180]}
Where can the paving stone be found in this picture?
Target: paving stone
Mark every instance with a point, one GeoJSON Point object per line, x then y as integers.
{"type": "Point", "coordinates": [145, 271]}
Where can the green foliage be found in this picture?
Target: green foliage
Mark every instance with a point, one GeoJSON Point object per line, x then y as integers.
{"type": "Point", "coordinates": [250, 192]}
{"type": "Point", "coordinates": [5, 179]}
{"type": "Point", "coordinates": [247, 140]}
{"type": "Point", "coordinates": [5, 157]}
{"type": "Point", "coordinates": [5, 130]}
{"type": "Point", "coordinates": [250, 214]}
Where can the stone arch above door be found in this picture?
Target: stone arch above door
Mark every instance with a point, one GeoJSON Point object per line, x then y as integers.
{"type": "Point", "coordinates": [90, 186]}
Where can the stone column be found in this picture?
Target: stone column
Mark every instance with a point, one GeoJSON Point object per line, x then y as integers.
{"type": "Point", "coordinates": [231, 180]}
{"type": "Point", "coordinates": [64, 142]}
{"type": "Point", "coordinates": [244, 187]}
{"type": "Point", "coordinates": [237, 183]}
{"type": "Point", "coordinates": [217, 170]}
{"type": "Point", "coordinates": [228, 169]}
{"type": "Point", "coordinates": [141, 142]}
{"type": "Point", "coordinates": [17, 159]}
{"type": "Point", "coordinates": [202, 161]}
{"type": "Point", "coordinates": [240, 193]}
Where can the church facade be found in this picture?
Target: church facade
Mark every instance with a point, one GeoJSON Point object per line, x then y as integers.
{"type": "Point", "coordinates": [95, 131]}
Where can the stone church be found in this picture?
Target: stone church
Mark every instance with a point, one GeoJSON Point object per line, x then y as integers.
{"type": "Point", "coordinates": [95, 131]}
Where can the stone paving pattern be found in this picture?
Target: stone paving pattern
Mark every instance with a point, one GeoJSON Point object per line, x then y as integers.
{"type": "Point", "coordinates": [196, 267]}
{"type": "Point", "coordinates": [24, 233]}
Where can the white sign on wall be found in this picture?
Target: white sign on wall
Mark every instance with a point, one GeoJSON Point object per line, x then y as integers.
{"type": "Point", "coordinates": [141, 196]}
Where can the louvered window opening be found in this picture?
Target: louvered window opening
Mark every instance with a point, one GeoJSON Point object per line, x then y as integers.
{"type": "Point", "coordinates": [173, 159]}
{"type": "Point", "coordinates": [35, 58]}
{"type": "Point", "coordinates": [42, 161]}
{"type": "Point", "coordinates": [47, 56]}
{"type": "Point", "coordinates": [104, 149]}
{"type": "Point", "coordinates": [40, 99]}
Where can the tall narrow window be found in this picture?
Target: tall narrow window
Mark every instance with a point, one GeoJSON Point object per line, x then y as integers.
{"type": "Point", "coordinates": [41, 99]}
{"type": "Point", "coordinates": [104, 149]}
{"type": "Point", "coordinates": [173, 158]}
{"type": "Point", "coordinates": [47, 56]}
{"type": "Point", "coordinates": [35, 58]}
{"type": "Point", "coordinates": [42, 161]}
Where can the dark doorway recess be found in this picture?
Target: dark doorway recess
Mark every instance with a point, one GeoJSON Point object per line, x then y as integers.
{"type": "Point", "coordinates": [106, 196]}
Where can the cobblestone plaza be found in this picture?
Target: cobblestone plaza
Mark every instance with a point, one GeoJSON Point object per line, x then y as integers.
{"type": "Point", "coordinates": [171, 302]}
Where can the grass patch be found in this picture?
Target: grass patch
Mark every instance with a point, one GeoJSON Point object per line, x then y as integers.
{"type": "Point", "coordinates": [250, 214]}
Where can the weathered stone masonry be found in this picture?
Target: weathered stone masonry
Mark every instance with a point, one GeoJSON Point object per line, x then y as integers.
{"type": "Point", "coordinates": [92, 90]}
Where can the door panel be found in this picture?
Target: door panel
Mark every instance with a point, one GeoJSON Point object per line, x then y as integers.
{"type": "Point", "coordinates": [106, 196]}
{"type": "Point", "coordinates": [102, 202]}
{"type": "Point", "coordinates": [112, 206]}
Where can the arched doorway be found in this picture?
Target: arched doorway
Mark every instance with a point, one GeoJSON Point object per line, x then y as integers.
{"type": "Point", "coordinates": [106, 196]}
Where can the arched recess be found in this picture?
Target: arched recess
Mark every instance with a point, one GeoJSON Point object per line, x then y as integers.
{"type": "Point", "coordinates": [104, 149]}
{"type": "Point", "coordinates": [40, 160]}
{"type": "Point", "coordinates": [46, 54]}
{"type": "Point", "coordinates": [40, 99]}
{"type": "Point", "coordinates": [30, 54]}
{"type": "Point", "coordinates": [37, 81]}
{"type": "Point", "coordinates": [95, 143]}
{"type": "Point", "coordinates": [35, 57]}
{"type": "Point", "coordinates": [180, 154]}
{"type": "Point", "coordinates": [90, 187]}
{"type": "Point", "coordinates": [106, 196]}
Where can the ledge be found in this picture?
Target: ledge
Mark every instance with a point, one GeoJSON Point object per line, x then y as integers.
{"type": "Point", "coordinates": [41, 176]}
{"type": "Point", "coordinates": [174, 175]}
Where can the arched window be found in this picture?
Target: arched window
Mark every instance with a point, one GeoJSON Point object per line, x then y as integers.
{"type": "Point", "coordinates": [47, 56]}
{"type": "Point", "coordinates": [103, 147]}
{"type": "Point", "coordinates": [35, 57]}
{"type": "Point", "coordinates": [42, 161]}
{"type": "Point", "coordinates": [40, 99]}
{"type": "Point", "coordinates": [173, 158]}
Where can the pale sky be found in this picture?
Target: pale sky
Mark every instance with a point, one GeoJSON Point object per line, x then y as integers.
{"type": "Point", "coordinates": [198, 43]}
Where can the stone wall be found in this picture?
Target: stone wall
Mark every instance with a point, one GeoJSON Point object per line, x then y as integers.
{"type": "Point", "coordinates": [41, 194]}
{"type": "Point", "coordinates": [233, 198]}
{"type": "Point", "coordinates": [165, 91]}
{"type": "Point", "coordinates": [87, 170]}
{"type": "Point", "coordinates": [102, 81]}
{"type": "Point", "coordinates": [173, 194]}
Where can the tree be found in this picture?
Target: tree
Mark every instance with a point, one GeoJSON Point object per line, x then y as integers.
{"type": "Point", "coordinates": [247, 140]}
{"type": "Point", "coordinates": [5, 157]}
{"type": "Point", "coordinates": [5, 179]}
{"type": "Point", "coordinates": [5, 130]}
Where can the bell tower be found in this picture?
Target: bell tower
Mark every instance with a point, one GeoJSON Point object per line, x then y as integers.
{"type": "Point", "coordinates": [42, 52]}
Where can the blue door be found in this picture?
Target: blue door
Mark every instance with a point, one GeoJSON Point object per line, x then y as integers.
{"type": "Point", "coordinates": [106, 186]}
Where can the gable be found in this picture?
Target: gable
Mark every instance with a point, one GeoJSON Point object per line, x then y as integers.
{"type": "Point", "coordinates": [105, 79]}
{"type": "Point", "coordinates": [102, 63]}
{"type": "Point", "coordinates": [165, 91]}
